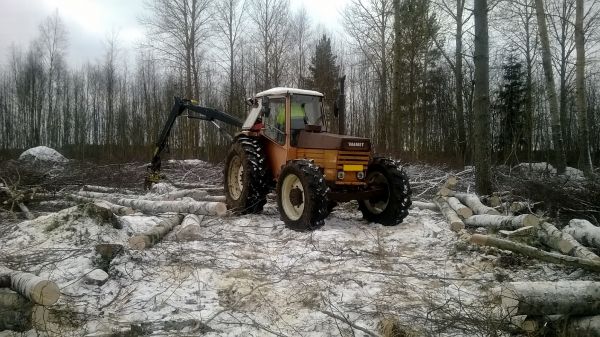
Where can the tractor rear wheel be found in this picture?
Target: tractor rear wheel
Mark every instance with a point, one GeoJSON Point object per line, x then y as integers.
{"type": "Point", "coordinates": [392, 207]}
{"type": "Point", "coordinates": [246, 177]}
{"type": "Point", "coordinates": [302, 196]}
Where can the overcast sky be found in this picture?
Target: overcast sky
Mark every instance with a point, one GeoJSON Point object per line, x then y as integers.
{"type": "Point", "coordinates": [90, 22]}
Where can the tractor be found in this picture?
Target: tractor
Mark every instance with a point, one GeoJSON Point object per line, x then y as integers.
{"type": "Point", "coordinates": [282, 146]}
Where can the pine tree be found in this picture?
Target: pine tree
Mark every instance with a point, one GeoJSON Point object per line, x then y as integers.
{"type": "Point", "coordinates": [324, 74]}
{"type": "Point", "coordinates": [510, 108]}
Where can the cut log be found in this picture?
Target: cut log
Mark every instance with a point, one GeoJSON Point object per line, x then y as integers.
{"type": "Point", "coordinates": [485, 240]}
{"type": "Point", "coordinates": [456, 223]}
{"type": "Point", "coordinates": [190, 228]}
{"type": "Point", "coordinates": [189, 207]}
{"type": "Point", "coordinates": [15, 311]}
{"type": "Point", "coordinates": [196, 194]}
{"type": "Point", "coordinates": [563, 242]}
{"type": "Point", "coordinates": [460, 209]}
{"type": "Point", "coordinates": [551, 298]}
{"type": "Point", "coordinates": [473, 202]}
{"type": "Point", "coordinates": [150, 238]}
{"type": "Point", "coordinates": [117, 209]}
{"type": "Point", "coordinates": [584, 232]}
{"type": "Point", "coordinates": [57, 204]}
{"type": "Point", "coordinates": [33, 287]}
{"type": "Point", "coordinates": [425, 205]}
{"type": "Point", "coordinates": [156, 207]}
{"type": "Point", "coordinates": [502, 221]}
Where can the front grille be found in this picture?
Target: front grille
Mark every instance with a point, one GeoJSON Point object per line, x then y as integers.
{"type": "Point", "coordinates": [352, 158]}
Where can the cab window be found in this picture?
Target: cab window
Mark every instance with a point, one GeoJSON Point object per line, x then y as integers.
{"type": "Point", "coordinates": [275, 123]}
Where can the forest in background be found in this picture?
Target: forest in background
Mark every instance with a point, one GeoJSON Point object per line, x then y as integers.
{"type": "Point", "coordinates": [408, 65]}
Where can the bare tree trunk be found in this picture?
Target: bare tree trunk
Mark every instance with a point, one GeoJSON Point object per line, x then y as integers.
{"type": "Point", "coordinates": [563, 242]}
{"type": "Point", "coordinates": [561, 161]}
{"type": "Point", "coordinates": [481, 99]}
{"type": "Point", "coordinates": [583, 133]}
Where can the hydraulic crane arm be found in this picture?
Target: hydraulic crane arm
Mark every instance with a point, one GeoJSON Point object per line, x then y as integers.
{"type": "Point", "coordinates": [193, 111]}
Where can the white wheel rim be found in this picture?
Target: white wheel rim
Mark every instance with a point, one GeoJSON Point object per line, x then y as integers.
{"type": "Point", "coordinates": [289, 183]}
{"type": "Point", "coordinates": [234, 178]}
{"type": "Point", "coordinates": [380, 206]}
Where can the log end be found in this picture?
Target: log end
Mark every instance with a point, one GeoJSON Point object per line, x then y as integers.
{"type": "Point", "coordinates": [457, 226]}
{"type": "Point", "coordinates": [220, 208]}
{"type": "Point", "coordinates": [530, 220]}
{"type": "Point", "coordinates": [45, 293]}
{"type": "Point", "coordinates": [139, 242]}
{"type": "Point", "coordinates": [444, 192]}
{"type": "Point", "coordinates": [465, 212]}
{"type": "Point", "coordinates": [479, 239]}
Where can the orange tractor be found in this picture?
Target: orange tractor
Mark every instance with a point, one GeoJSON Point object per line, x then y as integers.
{"type": "Point", "coordinates": [282, 146]}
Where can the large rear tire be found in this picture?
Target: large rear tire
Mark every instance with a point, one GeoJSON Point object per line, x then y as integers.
{"type": "Point", "coordinates": [246, 177]}
{"type": "Point", "coordinates": [302, 196]}
{"type": "Point", "coordinates": [391, 208]}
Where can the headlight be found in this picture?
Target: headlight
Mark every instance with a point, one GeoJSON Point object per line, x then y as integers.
{"type": "Point", "coordinates": [360, 175]}
{"type": "Point", "coordinates": [341, 175]}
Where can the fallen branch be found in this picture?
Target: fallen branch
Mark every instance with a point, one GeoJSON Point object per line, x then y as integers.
{"type": "Point", "coordinates": [485, 240]}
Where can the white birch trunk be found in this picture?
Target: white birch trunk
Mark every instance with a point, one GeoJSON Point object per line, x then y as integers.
{"type": "Point", "coordinates": [473, 202]}
{"type": "Point", "coordinates": [104, 189]}
{"type": "Point", "coordinates": [551, 298]}
{"type": "Point", "coordinates": [116, 209]}
{"type": "Point", "coordinates": [155, 207]}
{"type": "Point", "coordinates": [190, 228]}
{"type": "Point", "coordinates": [502, 221]}
{"type": "Point", "coordinates": [33, 287]}
{"type": "Point", "coordinates": [460, 209]}
{"type": "Point", "coordinates": [425, 205]}
{"type": "Point", "coordinates": [584, 232]}
{"type": "Point", "coordinates": [196, 194]}
{"type": "Point", "coordinates": [563, 242]}
{"type": "Point", "coordinates": [151, 237]}
{"type": "Point", "coordinates": [456, 223]}
{"type": "Point", "coordinates": [485, 240]}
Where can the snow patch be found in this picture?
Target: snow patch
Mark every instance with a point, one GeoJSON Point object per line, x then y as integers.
{"type": "Point", "coordinates": [43, 153]}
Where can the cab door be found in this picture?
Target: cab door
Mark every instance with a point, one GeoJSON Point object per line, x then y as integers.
{"type": "Point", "coordinates": [276, 131]}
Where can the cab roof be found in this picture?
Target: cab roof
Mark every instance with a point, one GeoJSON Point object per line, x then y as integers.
{"type": "Point", "coordinates": [284, 91]}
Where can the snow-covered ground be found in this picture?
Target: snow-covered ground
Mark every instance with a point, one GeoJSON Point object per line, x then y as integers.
{"type": "Point", "coordinates": [251, 276]}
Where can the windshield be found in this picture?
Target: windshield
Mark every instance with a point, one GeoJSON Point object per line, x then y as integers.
{"type": "Point", "coordinates": [311, 106]}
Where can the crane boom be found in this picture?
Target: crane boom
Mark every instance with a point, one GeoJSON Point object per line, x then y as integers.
{"type": "Point", "coordinates": [194, 111]}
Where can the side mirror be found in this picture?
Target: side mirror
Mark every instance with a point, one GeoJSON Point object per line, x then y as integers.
{"type": "Point", "coordinates": [265, 110]}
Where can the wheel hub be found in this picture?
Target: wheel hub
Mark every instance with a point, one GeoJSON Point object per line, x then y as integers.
{"type": "Point", "coordinates": [296, 197]}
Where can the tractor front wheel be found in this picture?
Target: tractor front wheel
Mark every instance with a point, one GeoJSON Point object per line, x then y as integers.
{"type": "Point", "coordinates": [302, 196]}
{"type": "Point", "coordinates": [390, 208]}
{"type": "Point", "coordinates": [246, 178]}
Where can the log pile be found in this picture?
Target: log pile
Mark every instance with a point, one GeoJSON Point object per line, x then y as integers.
{"type": "Point", "coordinates": [466, 210]}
